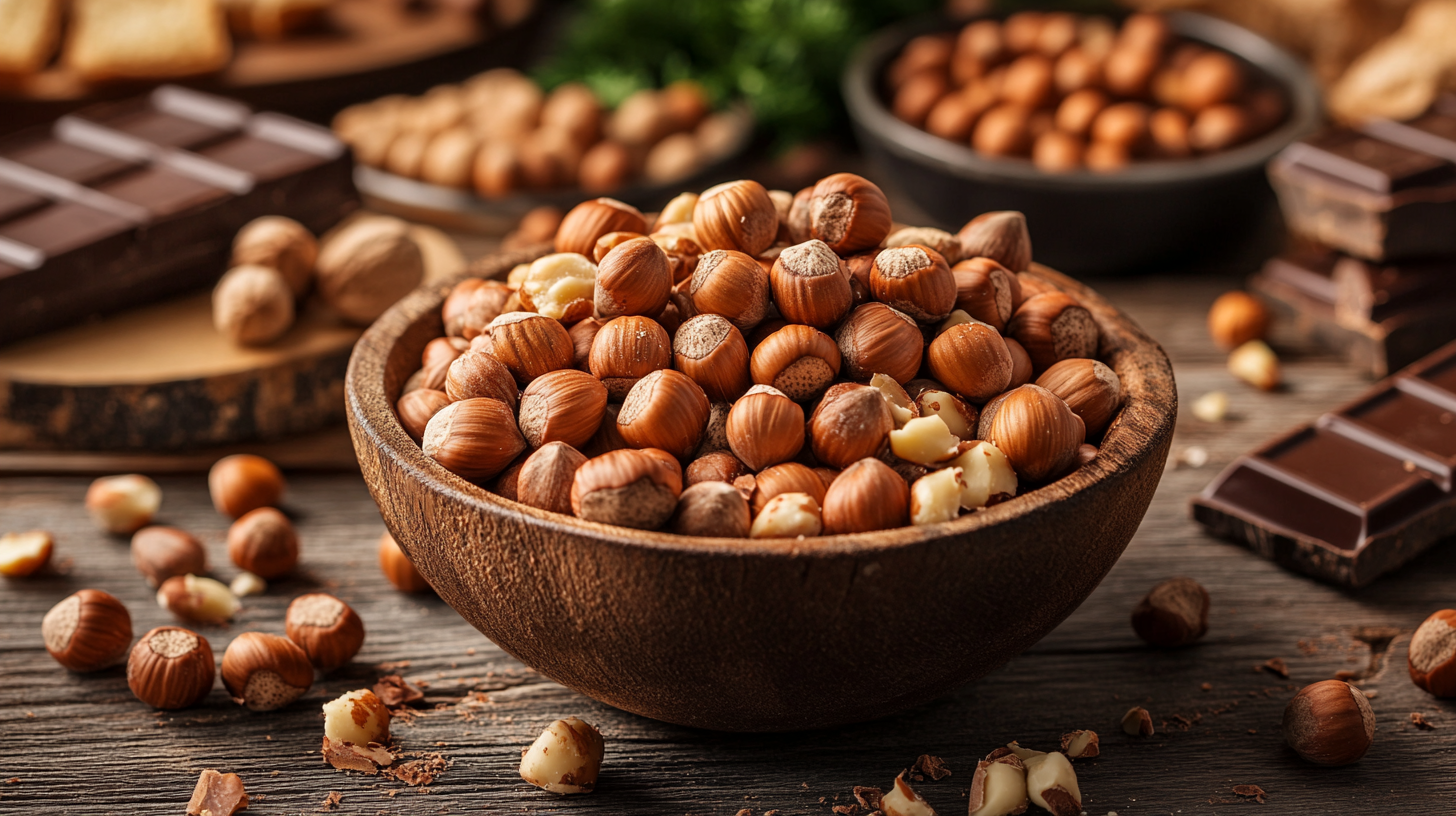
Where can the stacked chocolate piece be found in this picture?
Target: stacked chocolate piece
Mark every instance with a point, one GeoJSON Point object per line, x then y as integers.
{"type": "Point", "coordinates": [1373, 212]}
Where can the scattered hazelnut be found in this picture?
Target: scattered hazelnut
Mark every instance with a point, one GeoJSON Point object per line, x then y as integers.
{"type": "Point", "coordinates": [627, 349]}
{"type": "Point", "coordinates": [1037, 432]}
{"type": "Point", "coordinates": [562, 406]}
{"type": "Point", "coordinates": [25, 554]}
{"type": "Point", "coordinates": [877, 339]}
{"type": "Point", "coordinates": [197, 599]}
{"type": "Point", "coordinates": [1021, 368]}
{"type": "Point", "coordinates": [1089, 387]}
{"type": "Point", "coordinates": [566, 758]}
{"type": "Point", "coordinates": [717, 466]}
{"type": "Point", "coordinates": [1432, 657]}
{"type": "Point", "coordinates": [626, 487]}
{"type": "Point", "coordinates": [160, 553]}
{"type": "Point", "coordinates": [123, 504]}
{"type": "Point", "coordinates": [478, 374]}
{"type": "Point", "coordinates": [397, 567]}
{"type": "Point", "coordinates": [547, 475]}
{"type": "Point", "coordinates": [170, 668]}
{"type": "Point", "coordinates": [972, 360]}
{"type": "Point", "coordinates": [357, 718]}
{"type": "Point", "coordinates": [590, 220]}
{"type": "Point", "coordinates": [1078, 111]}
{"type": "Point", "coordinates": [867, 496]}
{"type": "Point", "coordinates": [1052, 326]}
{"type": "Point", "coordinates": [1211, 407]}
{"type": "Point", "coordinates": [848, 213]}
{"type": "Point", "coordinates": [632, 279]}
{"type": "Point", "coordinates": [368, 265]}
{"type": "Point", "coordinates": [1080, 745]}
{"type": "Point", "coordinates": [737, 215]}
{"type": "Point", "coordinates": [998, 787]}
{"type": "Point", "coordinates": [1052, 784]}
{"type": "Point", "coordinates": [1001, 236]}
{"type": "Point", "coordinates": [666, 410]}
{"type": "Point", "coordinates": [1174, 613]}
{"type": "Point", "coordinates": [244, 482]}
{"type": "Point", "coordinates": [560, 286]}
{"type": "Point", "coordinates": [851, 423]}
{"type": "Point", "coordinates": [986, 474]}
{"type": "Point", "coordinates": [902, 408]}
{"type": "Point", "coordinates": [788, 515]}
{"type": "Point", "coordinates": [800, 361]}
{"type": "Point", "coordinates": [1329, 723]}
{"type": "Point", "coordinates": [1256, 364]}
{"type": "Point", "coordinates": [326, 628]}
{"type": "Point", "coordinates": [809, 285]}
{"type": "Point", "coordinates": [936, 497]}
{"type": "Point", "coordinates": [712, 508]}
{"type": "Point", "coordinates": [1236, 318]}
{"type": "Point", "coordinates": [246, 583]}
{"type": "Point", "coordinates": [278, 243]}
{"type": "Point", "coordinates": [474, 438]}
{"type": "Point", "coordinates": [252, 305]}
{"type": "Point", "coordinates": [264, 543]}
{"type": "Point", "coordinates": [902, 800]}
{"type": "Point", "coordinates": [710, 350]}
{"type": "Point", "coordinates": [729, 283]}
{"type": "Point", "coordinates": [1137, 722]}
{"type": "Point", "coordinates": [265, 672]}
{"type": "Point", "coordinates": [88, 631]}
{"type": "Point", "coordinates": [416, 408]}
{"type": "Point", "coordinates": [217, 794]}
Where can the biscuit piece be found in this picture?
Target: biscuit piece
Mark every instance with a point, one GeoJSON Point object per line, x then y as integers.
{"type": "Point", "coordinates": [28, 33]}
{"type": "Point", "coordinates": [113, 39]}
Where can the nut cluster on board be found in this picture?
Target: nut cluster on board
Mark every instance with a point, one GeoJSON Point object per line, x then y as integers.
{"type": "Point", "coordinates": [824, 369]}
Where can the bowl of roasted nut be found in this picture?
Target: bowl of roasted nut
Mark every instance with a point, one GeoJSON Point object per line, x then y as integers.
{"type": "Point", "coordinates": [1136, 141]}
{"type": "Point", "coordinates": [760, 461]}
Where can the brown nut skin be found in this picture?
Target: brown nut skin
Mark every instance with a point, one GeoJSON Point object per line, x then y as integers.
{"type": "Point", "coordinates": [397, 567]}
{"type": "Point", "coordinates": [530, 344]}
{"type": "Point", "coordinates": [972, 360]}
{"type": "Point", "coordinates": [1209, 79]}
{"type": "Point", "coordinates": [264, 543]}
{"type": "Point", "coordinates": [265, 672]}
{"type": "Point", "coordinates": [729, 283]}
{"type": "Point", "coordinates": [800, 361]}
{"type": "Point", "coordinates": [583, 333]}
{"type": "Point", "coordinates": [627, 349]}
{"type": "Point", "coordinates": [633, 279]}
{"type": "Point", "coordinates": [628, 488]}
{"type": "Point", "coordinates": [1089, 387]}
{"type": "Point", "coordinates": [789, 477]}
{"type": "Point", "coordinates": [161, 552]}
{"type": "Point", "coordinates": [278, 243]}
{"type": "Point", "coordinates": [1432, 657]}
{"type": "Point", "coordinates": [1057, 152]}
{"type": "Point", "coordinates": [1003, 131]}
{"type": "Point", "coordinates": [1128, 72]}
{"type": "Point", "coordinates": [1038, 433]}
{"type": "Point", "coordinates": [710, 350]}
{"type": "Point", "coordinates": [1174, 613]}
{"type": "Point", "coordinates": [474, 439]}
{"type": "Point", "coordinates": [765, 428]}
{"type": "Point", "coordinates": [1078, 111]}
{"type": "Point", "coordinates": [987, 291]}
{"type": "Point", "coordinates": [1052, 326]}
{"type": "Point", "coordinates": [852, 422]}
{"type": "Point", "coordinates": [810, 286]}
{"type": "Point", "coordinates": [562, 406]}
{"type": "Point", "coordinates": [1218, 128]}
{"type": "Point", "coordinates": [877, 339]}
{"type": "Point", "coordinates": [718, 466]}
{"type": "Point", "coordinates": [737, 215]}
{"type": "Point", "coordinates": [848, 213]}
{"type": "Point", "coordinates": [1329, 723]}
{"type": "Point", "coordinates": [171, 668]}
{"type": "Point", "coordinates": [1022, 371]}
{"type": "Point", "coordinates": [1168, 130]}
{"type": "Point", "coordinates": [416, 407]}
{"type": "Point", "coordinates": [915, 280]}
{"type": "Point", "coordinates": [443, 349]}
{"type": "Point", "coordinates": [605, 167]}
{"type": "Point", "coordinates": [328, 630]}
{"type": "Point", "coordinates": [867, 496]}
{"type": "Point", "coordinates": [1001, 236]}
{"type": "Point", "coordinates": [1028, 81]}
{"type": "Point", "coordinates": [1124, 124]}
{"type": "Point", "coordinates": [590, 220]}
{"type": "Point", "coordinates": [546, 477]}
{"type": "Point", "coordinates": [711, 509]}
{"type": "Point", "coordinates": [87, 631]}
{"type": "Point", "coordinates": [244, 482]}
{"type": "Point", "coordinates": [478, 374]}
{"type": "Point", "coordinates": [1236, 318]}
{"type": "Point", "coordinates": [665, 410]}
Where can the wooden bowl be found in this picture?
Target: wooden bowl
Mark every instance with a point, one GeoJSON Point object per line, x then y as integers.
{"type": "Point", "coordinates": [760, 635]}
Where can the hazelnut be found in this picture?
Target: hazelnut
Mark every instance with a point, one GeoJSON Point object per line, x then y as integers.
{"type": "Point", "coordinates": [1211, 407]}
{"type": "Point", "coordinates": [867, 496]}
{"type": "Point", "coordinates": [608, 438]}
{"type": "Point", "coordinates": [405, 153]}
{"type": "Point", "coordinates": [986, 474]}
{"type": "Point", "coordinates": [800, 361]}
{"type": "Point", "coordinates": [809, 285]}
{"type": "Point", "coordinates": [1256, 364]}
{"type": "Point", "coordinates": [712, 508]}
{"type": "Point", "coordinates": [562, 406]}
{"type": "Point", "coordinates": [1219, 127]}
{"type": "Point", "coordinates": [1051, 784]}
{"type": "Point", "coordinates": [1028, 81]}
{"type": "Point", "coordinates": [1021, 368]}
{"type": "Point", "coordinates": [633, 279]}
{"type": "Point", "coordinates": [1168, 128]}
{"type": "Point", "coordinates": [123, 504]}
{"type": "Point", "coordinates": [1236, 318]}
{"type": "Point", "coordinates": [914, 280]}
{"type": "Point", "coordinates": [1003, 131]}
{"type": "Point", "coordinates": [902, 408]}
{"type": "Point", "coordinates": [1125, 124]}
{"type": "Point", "coordinates": [25, 554]}
{"type": "Point", "coordinates": [417, 407]}
{"type": "Point", "coordinates": [244, 482]}
{"type": "Point", "coordinates": [788, 515]}
{"type": "Point", "coordinates": [265, 672]}
{"type": "Point", "coordinates": [939, 240]}
{"type": "Point", "coordinates": [683, 254]}
{"type": "Point", "coordinates": [170, 668]}
{"type": "Point", "coordinates": [1037, 432]}
{"type": "Point", "coordinates": [473, 438]}
{"type": "Point", "coordinates": [665, 410]}
{"type": "Point", "coordinates": [718, 466]}
{"type": "Point", "coordinates": [1052, 326]}
{"type": "Point", "coordinates": [731, 284]}
{"type": "Point", "coordinates": [848, 213]}
{"type": "Point", "coordinates": [88, 631]}
{"type": "Point", "coordinates": [1000, 236]}
{"type": "Point", "coordinates": [252, 305]}
{"type": "Point", "coordinates": [160, 553]}
{"type": "Point", "coordinates": [477, 374]}
{"type": "Point", "coordinates": [711, 350]}
{"type": "Point", "coordinates": [798, 220]}
{"type": "Point", "coordinates": [1106, 157]}
{"type": "Point", "coordinates": [675, 157]}
{"type": "Point", "coordinates": [1078, 111]}
{"type": "Point", "coordinates": [547, 475]}
{"type": "Point", "coordinates": [472, 304]}
{"type": "Point", "coordinates": [605, 167]}
{"type": "Point", "coordinates": [972, 360]}
{"type": "Point", "coordinates": [677, 211]}
{"type": "Point", "coordinates": [1145, 31]}
{"type": "Point", "coordinates": [925, 441]}
{"type": "Point", "coordinates": [1081, 745]}
{"type": "Point", "coordinates": [998, 787]}
{"type": "Point", "coordinates": [443, 350]}
{"type": "Point", "coordinates": [582, 334]}
{"type": "Point", "coordinates": [357, 718]}
{"type": "Point", "coordinates": [1075, 70]}
{"type": "Point", "coordinates": [627, 349]}
{"type": "Point", "coordinates": [789, 477]}
{"type": "Point", "coordinates": [530, 344]}
{"type": "Point", "coordinates": [565, 759]}
{"type": "Point", "coordinates": [737, 215]}
{"type": "Point", "coordinates": [1209, 79]}
{"type": "Point", "coordinates": [851, 423]}
{"type": "Point", "coordinates": [537, 226]}
{"type": "Point", "coordinates": [278, 243]}
{"type": "Point", "coordinates": [590, 220]}
{"type": "Point", "coordinates": [640, 120]}
{"type": "Point", "coordinates": [765, 428]}
{"type": "Point", "coordinates": [936, 497]}
{"type": "Point", "coordinates": [1089, 387]}
{"type": "Point", "coordinates": [916, 97]}
{"type": "Point", "coordinates": [218, 794]}
{"type": "Point", "coordinates": [432, 377]}
{"type": "Point", "coordinates": [264, 543]}
{"type": "Point", "coordinates": [1329, 723]}
{"type": "Point", "coordinates": [559, 286]}
{"type": "Point", "coordinates": [368, 265]}
{"type": "Point", "coordinates": [1057, 152]}
{"type": "Point", "coordinates": [449, 158]}
{"type": "Point", "coordinates": [326, 628]}
{"type": "Point", "coordinates": [1129, 71]}
{"type": "Point", "coordinates": [953, 117]}
{"type": "Point", "coordinates": [877, 339]}
{"type": "Point", "coordinates": [497, 170]}
{"type": "Point", "coordinates": [928, 52]}
{"type": "Point", "coordinates": [397, 566]}
{"type": "Point", "coordinates": [197, 599]}
{"type": "Point", "coordinates": [902, 800]}
{"type": "Point", "coordinates": [1432, 648]}
{"type": "Point", "coordinates": [958, 415]}
{"type": "Point", "coordinates": [627, 488]}
{"type": "Point", "coordinates": [574, 107]}
{"type": "Point", "coordinates": [1174, 613]}
{"type": "Point", "coordinates": [1137, 722]}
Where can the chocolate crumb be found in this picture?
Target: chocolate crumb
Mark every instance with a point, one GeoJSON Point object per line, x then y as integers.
{"type": "Point", "coordinates": [1207, 687]}
{"type": "Point", "coordinates": [217, 794]}
{"type": "Point", "coordinates": [330, 802]}
{"type": "Point", "coordinates": [932, 766]}
{"type": "Point", "coordinates": [846, 810]}
{"type": "Point", "coordinates": [1253, 791]}
{"type": "Point", "coordinates": [869, 797]}
{"type": "Point", "coordinates": [394, 692]}
{"type": "Point", "coordinates": [14, 780]}
{"type": "Point", "coordinates": [1276, 667]}
{"type": "Point", "coordinates": [1253, 730]}
{"type": "Point", "coordinates": [1419, 721]}
{"type": "Point", "coordinates": [744, 812]}
{"type": "Point", "coordinates": [421, 771]}
{"type": "Point", "coordinates": [346, 756]}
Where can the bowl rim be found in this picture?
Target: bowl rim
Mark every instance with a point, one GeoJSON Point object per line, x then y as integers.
{"type": "Point", "coordinates": [860, 81]}
{"type": "Point", "coordinates": [1144, 421]}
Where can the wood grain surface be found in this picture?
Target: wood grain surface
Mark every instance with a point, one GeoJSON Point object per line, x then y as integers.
{"type": "Point", "coordinates": [75, 744]}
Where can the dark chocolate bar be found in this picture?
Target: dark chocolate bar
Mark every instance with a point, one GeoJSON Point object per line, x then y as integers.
{"type": "Point", "coordinates": [130, 202]}
{"type": "Point", "coordinates": [1358, 492]}
{"type": "Point", "coordinates": [1384, 192]}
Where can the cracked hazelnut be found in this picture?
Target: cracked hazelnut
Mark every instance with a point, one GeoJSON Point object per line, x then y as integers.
{"type": "Point", "coordinates": [626, 487]}
{"type": "Point", "coordinates": [265, 672]}
{"type": "Point", "coordinates": [810, 286]}
{"type": "Point", "coordinates": [902, 800]}
{"type": "Point", "coordinates": [198, 599]}
{"type": "Point", "coordinates": [264, 543]}
{"type": "Point", "coordinates": [590, 220]}
{"type": "Point", "coordinates": [244, 482]}
{"type": "Point", "coordinates": [737, 215]}
{"type": "Point", "coordinates": [397, 567]}
{"type": "Point", "coordinates": [25, 554]}
{"type": "Point", "coordinates": [358, 718]}
{"type": "Point", "coordinates": [1052, 785]}
{"type": "Point", "coordinates": [171, 668]}
{"type": "Point", "coordinates": [788, 515]}
{"type": "Point", "coordinates": [1090, 388]}
{"type": "Point", "coordinates": [849, 213]}
{"type": "Point", "coordinates": [987, 291]}
{"type": "Point", "coordinates": [902, 408]}
{"type": "Point", "coordinates": [925, 441]}
{"type": "Point", "coordinates": [560, 286]}
{"type": "Point", "coordinates": [665, 410]}
{"type": "Point", "coordinates": [998, 787]}
{"type": "Point", "coordinates": [765, 428]}
{"type": "Point", "coordinates": [936, 497]}
{"type": "Point", "coordinates": [474, 438]}
{"type": "Point", "coordinates": [986, 474]}
{"type": "Point", "coordinates": [565, 759]}
{"type": "Point", "coordinates": [1432, 658]}
{"type": "Point", "coordinates": [1329, 723]}
{"type": "Point", "coordinates": [88, 631]}
{"type": "Point", "coordinates": [712, 352]}
{"type": "Point", "coordinates": [123, 504]}
{"type": "Point", "coordinates": [217, 794]}
{"type": "Point", "coordinates": [877, 339]}
{"type": "Point", "coordinates": [867, 496]}
{"type": "Point", "coordinates": [712, 508]}
{"type": "Point", "coordinates": [160, 553]}
{"type": "Point", "coordinates": [789, 477]}
{"type": "Point", "coordinates": [1001, 236]}
{"type": "Point", "coordinates": [852, 422]}
{"type": "Point", "coordinates": [278, 243]}
{"type": "Point", "coordinates": [800, 361]}
{"type": "Point", "coordinates": [626, 350]}
{"type": "Point", "coordinates": [958, 415]}
{"type": "Point", "coordinates": [1174, 613]}
{"type": "Point", "coordinates": [326, 628]}
{"type": "Point", "coordinates": [1081, 745]}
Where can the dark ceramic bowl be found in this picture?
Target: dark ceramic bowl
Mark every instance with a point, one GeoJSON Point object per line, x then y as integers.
{"type": "Point", "coordinates": [760, 635]}
{"type": "Point", "coordinates": [1085, 222]}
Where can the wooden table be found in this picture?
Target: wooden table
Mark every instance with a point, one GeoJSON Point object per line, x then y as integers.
{"type": "Point", "coordinates": [82, 744]}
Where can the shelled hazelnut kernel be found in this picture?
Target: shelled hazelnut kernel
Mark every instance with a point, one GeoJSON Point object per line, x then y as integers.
{"type": "Point", "coordinates": [626, 487]}
{"type": "Point", "coordinates": [809, 285]}
{"type": "Point", "coordinates": [665, 410]}
{"type": "Point", "coordinates": [925, 441]}
{"type": "Point", "coordinates": [473, 438]}
{"type": "Point", "coordinates": [87, 631]}
{"type": "Point", "coordinates": [789, 477]}
{"type": "Point", "coordinates": [609, 242]}
{"type": "Point", "coordinates": [677, 211]}
{"type": "Point", "coordinates": [252, 305]}
{"type": "Point", "coordinates": [902, 408]}
{"type": "Point", "coordinates": [1256, 364]}
{"type": "Point", "coordinates": [987, 291]}
{"type": "Point", "coordinates": [936, 497]}
{"type": "Point", "coordinates": [1051, 784]}
{"type": "Point", "coordinates": [1052, 326]}
{"type": "Point", "coordinates": [171, 668]}
{"type": "Point", "coordinates": [1090, 388]}
{"type": "Point", "coordinates": [765, 428]}
{"type": "Point", "coordinates": [1081, 744]}
{"type": "Point", "coordinates": [627, 349]}
{"type": "Point", "coordinates": [1137, 722]}
{"type": "Point", "coordinates": [1236, 318]}
{"type": "Point", "coordinates": [1037, 432]}
{"type": "Point", "coordinates": [590, 220]}
{"type": "Point", "coordinates": [478, 374]}
{"type": "Point", "coordinates": [971, 359]}
{"type": "Point", "coordinates": [788, 515]}
{"type": "Point", "coordinates": [357, 718]}
{"type": "Point", "coordinates": [902, 800]}
{"type": "Point", "coordinates": [417, 407]}
{"type": "Point", "coordinates": [123, 504]}
{"type": "Point", "coordinates": [562, 406]}
{"type": "Point", "coordinates": [198, 599]}
{"type": "Point", "coordinates": [878, 339]}
{"type": "Point", "coordinates": [848, 213]}
{"type": "Point", "coordinates": [998, 787]}
{"type": "Point", "coordinates": [1001, 236]}
{"type": "Point", "coordinates": [1432, 657]}
{"type": "Point", "coordinates": [25, 554]}
{"type": "Point", "coordinates": [737, 215]}
{"type": "Point", "coordinates": [915, 280]}
{"type": "Point", "coordinates": [1173, 613]}
{"type": "Point", "coordinates": [397, 567]}
{"type": "Point", "coordinates": [852, 422]}
{"type": "Point", "coordinates": [326, 628]}
{"type": "Point", "coordinates": [244, 482]}
{"type": "Point", "coordinates": [958, 415]}
{"type": "Point", "coordinates": [710, 350]}
{"type": "Point", "coordinates": [560, 286]}
{"type": "Point", "coordinates": [278, 243]}
{"type": "Point", "coordinates": [986, 474]}
{"type": "Point", "coordinates": [633, 278]}
{"type": "Point", "coordinates": [265, 672]}
{"type": "Point", "coordinates": [565, 759]}
{"type": "Point", "coordinates": [800, 361]}
{"type": "Point", "coordinates": [264, 543]}
{"type": "Point", "coordinates": [714, 509]}
{"type": "Point", "coordinates": [546, 477]}
{"type": "Point", "coordinates": [160, 553]}
{"type": "Point", "coordinates": [729, 283]}
{"type": "Point", "coordinates": [1329, 723]}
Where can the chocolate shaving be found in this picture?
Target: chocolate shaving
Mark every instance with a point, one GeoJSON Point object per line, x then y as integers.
{"type": "Point", "coordinates": [394, 692]}
{"type": "Point", "coordinates": [346, 756]}
{"type": "Point", "coordinates": [1276, 667]}
{"type": "Point", "coordinates": [1253, 791]}
{"type": "Point", "coordinates": [846, 810]}
{"type": "Point", "coordinates": [869, 797]}
{"type": "Point", "coordinates": [330, 802]}
{"type": "Point", "coordinates": [931, 766]}
{"type": "Point", "coordinates": [1419, 721]}
{"type": "Point", "coordinates": [421, 771]}
{"type": "Point", "coordinates": [217, 794]}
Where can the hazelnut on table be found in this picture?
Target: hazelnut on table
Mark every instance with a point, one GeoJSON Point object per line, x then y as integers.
{"type": "Point", "coordinates": [566, 758]}
{"type": "Point", "coordinates": [24, 554]}
{"type": "Point", "coordinates": [87, 631]}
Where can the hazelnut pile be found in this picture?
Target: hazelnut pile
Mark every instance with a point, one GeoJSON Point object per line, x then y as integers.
{"type": "Point", "coordinates": [755, 363]}
{"type": "Point", "coordinates": [1072, 91]}
{"type": "Point", "coordinates": [499, 133]}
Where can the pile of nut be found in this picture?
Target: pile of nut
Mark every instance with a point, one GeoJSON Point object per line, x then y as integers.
{"type": "Point", "coordinates": [759, 363]}
{"type": "Point", "coordinates": [499, 133]}
{"type": "Point", "coordinates": [1075, 91]}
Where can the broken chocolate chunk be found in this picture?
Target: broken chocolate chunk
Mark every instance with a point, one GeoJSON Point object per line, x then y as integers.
{"type": "Point", "coordinates": [931, 766]}
{"type": "Point", "coordinates": [217, 794]}
{"type": "Point", "coordinates": [346, 756]}
{"type": "Point", "coordinates": [394, 692]}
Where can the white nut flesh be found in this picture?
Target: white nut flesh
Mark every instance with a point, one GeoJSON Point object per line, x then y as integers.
{"type": "Point", "coordinates": [1211, 407]}
{"type": "Point", "coordinates": [936, 497]}
{"type": "Point", "coordinates": [1052, 784]}
{"type": "Point", "coordinates": [358, 717]}
{"type": "Point", "coordinates": [247, 584]}
{"type": "Point", "coordinates": [987, 474]}
{"type": "Point", "coordinates": [902, 800]}
{"type": "Point", "coordinates": [788, 515]}
{"type": "Point", "coordinates": [123, 504]}
{"type": "Point", "coordinates": [1081, 745]}
{"type": "Point", "coordinates": [902, 408]}
{"type": "Point", "coordinates": [998, 789]}
{"type": "Point", "coordinates": [925, 441]}
{"type": "Point", "coordinates": [202, 599]}
{"type": "Point", "coordinates": [24, 553]}
{"type": "Point", "coordinates": [951, 410]}
{"type": "Point", "coordinates": [566, 758]}
{"type": "Point", "coordinates": [555, 282]}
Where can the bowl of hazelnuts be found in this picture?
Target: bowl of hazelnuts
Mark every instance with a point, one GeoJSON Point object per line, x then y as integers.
{"type": "Point", "coordinates": [762, 461]}
{"type": "Point", "coordinates": [1132, 142]}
